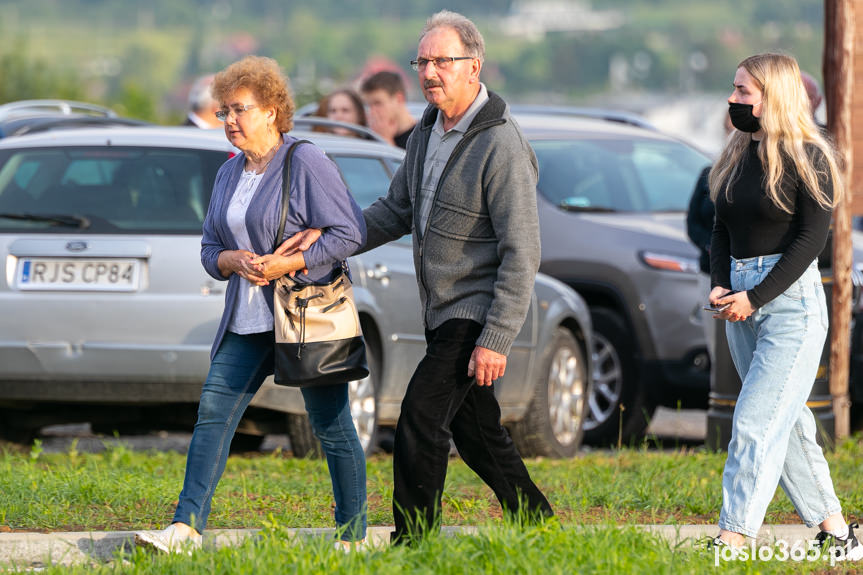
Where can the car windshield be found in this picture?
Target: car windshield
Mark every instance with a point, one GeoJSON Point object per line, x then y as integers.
{"type": "Point", "coordinates": [107, 190]}
{"type": "Point", "coordinates": [617, 175]}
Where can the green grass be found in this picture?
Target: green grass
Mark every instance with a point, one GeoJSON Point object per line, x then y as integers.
{"type": "Point", "coordinates": [504, 548]}
{"type": "Point", "coordinates": [597, 496]}
{"type": "Point", "coordinates": [121, 489]}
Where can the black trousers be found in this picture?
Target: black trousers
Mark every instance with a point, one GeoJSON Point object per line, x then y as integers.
{"type": "Point", "coordinates": [442, 402]}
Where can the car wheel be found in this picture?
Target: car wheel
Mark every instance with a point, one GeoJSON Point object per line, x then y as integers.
{"type": "Point", "coordinates": [19, 435]}
{"type": "Point", "coordinates": [552, 426]}
{"type": "Point", "coordinates": [617, 392]}
{"type": "Point", "coordinates": [362, 395]}
{"type": "Point", "coordinates": [302, 436]}
{"type": "Point", "coordinates": [15, 434]}
{"type": "Point", "coordinates": [246, 443]}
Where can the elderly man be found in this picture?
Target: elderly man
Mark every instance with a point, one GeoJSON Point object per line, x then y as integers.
{"type": "Point", "coordinates": [467, 192]}
{"type": "Point", "coordinates": [202, 106]}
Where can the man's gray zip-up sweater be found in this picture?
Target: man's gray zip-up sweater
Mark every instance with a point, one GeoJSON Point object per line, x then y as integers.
{"type": "Point", "coordinates": [480, 251]}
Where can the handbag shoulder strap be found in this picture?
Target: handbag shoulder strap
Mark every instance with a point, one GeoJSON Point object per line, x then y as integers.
{"type": "Point", "coordinates": [286, 190]}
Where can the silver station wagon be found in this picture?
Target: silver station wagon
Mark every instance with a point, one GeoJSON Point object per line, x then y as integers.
{"type": "Point", "coordinates": [107, 316]}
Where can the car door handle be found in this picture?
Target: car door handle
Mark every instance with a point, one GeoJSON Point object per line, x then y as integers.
{"type": "Point", "coordinates": [380, 273]}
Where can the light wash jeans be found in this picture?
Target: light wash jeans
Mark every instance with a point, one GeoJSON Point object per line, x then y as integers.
{"type": "Point", "coordinates": [776, 352]}
{"type": "Point", "coordinates": [237, 371]}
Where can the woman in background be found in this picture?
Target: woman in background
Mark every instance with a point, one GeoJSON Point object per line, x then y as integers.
{"type": "Point", "coordinates": [343, 105]}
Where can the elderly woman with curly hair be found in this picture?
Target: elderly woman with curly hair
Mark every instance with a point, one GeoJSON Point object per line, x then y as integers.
{"type": "Point", "coordinates": [239, 235]}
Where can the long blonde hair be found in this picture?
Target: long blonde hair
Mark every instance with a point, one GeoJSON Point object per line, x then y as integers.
{"type": "Point", "coordinates": [787, 122]}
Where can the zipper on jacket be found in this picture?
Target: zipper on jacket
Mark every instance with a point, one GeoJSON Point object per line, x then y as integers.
{"type": "Point", "coordinates": [465, 140]}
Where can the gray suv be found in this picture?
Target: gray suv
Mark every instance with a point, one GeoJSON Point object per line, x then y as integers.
{"type": "Point", "coordinates": [612, 208]}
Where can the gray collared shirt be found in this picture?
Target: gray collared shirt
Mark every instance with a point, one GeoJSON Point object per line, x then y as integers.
{"type": "Point", "coordinates": [440, 147]}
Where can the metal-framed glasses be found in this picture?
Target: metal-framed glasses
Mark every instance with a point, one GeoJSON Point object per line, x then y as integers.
{"type": "Point", "coordinates": [237, 111]}
{"type": "Point", "coordinates": [441, 62]}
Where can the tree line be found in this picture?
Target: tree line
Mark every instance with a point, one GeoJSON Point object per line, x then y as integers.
{"type": "Point", "coordinates": [138, 57]}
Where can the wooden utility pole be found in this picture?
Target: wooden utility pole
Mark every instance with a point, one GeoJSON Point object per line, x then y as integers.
{"type": "Point", "coordinates": [839, 33]}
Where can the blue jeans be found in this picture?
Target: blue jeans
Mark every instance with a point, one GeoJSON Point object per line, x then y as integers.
{"type": "Point", "coordinates": [237, 371]}
{"type": "Point", "coordinates": [776, 352]}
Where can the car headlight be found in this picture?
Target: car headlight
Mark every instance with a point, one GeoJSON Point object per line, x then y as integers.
{"type": "Point", "coordinates": [670, 262]}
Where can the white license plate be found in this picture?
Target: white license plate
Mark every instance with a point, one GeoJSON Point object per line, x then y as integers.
{"type": "Point", "coordinates": [78, 274]}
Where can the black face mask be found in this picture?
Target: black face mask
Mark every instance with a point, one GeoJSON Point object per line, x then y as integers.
{"type": "Point", "coordinates": [742, 117]}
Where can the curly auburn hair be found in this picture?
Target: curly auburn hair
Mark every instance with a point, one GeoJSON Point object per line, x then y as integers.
{"type": "Point", "coordinates": [264, 78]}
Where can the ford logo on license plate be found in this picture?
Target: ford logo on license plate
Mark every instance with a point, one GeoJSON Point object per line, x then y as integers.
{"type": "Point", "coordinates": [76, 246]}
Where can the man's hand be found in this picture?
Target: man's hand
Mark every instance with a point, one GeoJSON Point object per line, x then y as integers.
{"type": "Point", "coordinates": [486, 364]}
{"type": "Point", "coordinates": [274, 266]}
{"type": "Point", "coordinates": [299, 242]}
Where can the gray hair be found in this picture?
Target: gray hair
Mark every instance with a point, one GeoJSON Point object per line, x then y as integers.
{"type": "Point", "coordinates": [200, 96]}
{"type": "Point", "coordinates": [467, 31]}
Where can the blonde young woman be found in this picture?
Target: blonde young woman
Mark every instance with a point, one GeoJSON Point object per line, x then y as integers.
{"type": "Point", "coordinates": [774, 187]}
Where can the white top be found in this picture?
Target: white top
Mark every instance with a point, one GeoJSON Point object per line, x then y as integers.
{"type": "Point", "coordinates": [251, 314]}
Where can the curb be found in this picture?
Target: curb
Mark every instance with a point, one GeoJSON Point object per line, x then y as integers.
{"type": "Point", "coordinates": [36, 550]}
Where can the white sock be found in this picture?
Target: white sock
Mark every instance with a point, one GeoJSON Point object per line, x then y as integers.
{"type": "Point", "coordinates": [840, 533]}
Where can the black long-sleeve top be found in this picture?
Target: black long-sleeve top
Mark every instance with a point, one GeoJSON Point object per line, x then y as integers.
{"type": "Point", "coordinates": [699, 219]}
{"type": "Point", "coordinates": [749, 224]}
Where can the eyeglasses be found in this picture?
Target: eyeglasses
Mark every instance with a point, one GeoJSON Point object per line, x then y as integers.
{"type": "Point", "coordinates": [441, 62]}
{"type": "Point", "coordinates": [236, 110]}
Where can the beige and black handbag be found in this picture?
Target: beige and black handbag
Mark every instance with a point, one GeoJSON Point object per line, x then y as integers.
{"type": "Point", "coordinates": [319, 340]}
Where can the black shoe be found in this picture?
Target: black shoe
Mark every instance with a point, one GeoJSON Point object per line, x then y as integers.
{"type": "Point", "coordinates": [401, 539]}
{"type": "Point", "coordinates": [848, 549]}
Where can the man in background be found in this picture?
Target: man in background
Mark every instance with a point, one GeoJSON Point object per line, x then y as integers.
{"type": "Point", "coordinates": [202, 106]}
{"type": "Point", "coordinates": [385, 95]}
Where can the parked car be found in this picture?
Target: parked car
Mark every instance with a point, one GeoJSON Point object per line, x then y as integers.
{"type": "Point", "coordinates": [31, 116]}
{"type": "Point", "coordinates": [613, 193]}
{"type": "Point", "coordinates": [108, 316]}
{"type": "Point", "coordinates": [612, 198]}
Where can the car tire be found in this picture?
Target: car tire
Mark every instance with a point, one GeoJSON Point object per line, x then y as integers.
{"type": "Point", "coordinates": [302, 436]}
{"type": "Point", "coordinates": [553, 424]}
{"type": "Point", "coordinates": [362, 396]}
{"type": "Point", "coordinates": [15, 434]}
{"type": "Point", "coordinates": [246, 443]}
{"type": "Point", "coordinates": [617, 391]}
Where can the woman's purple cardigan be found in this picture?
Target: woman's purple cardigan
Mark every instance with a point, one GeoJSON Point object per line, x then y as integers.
{"type": "Point", "coordinates": [319, 199]}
